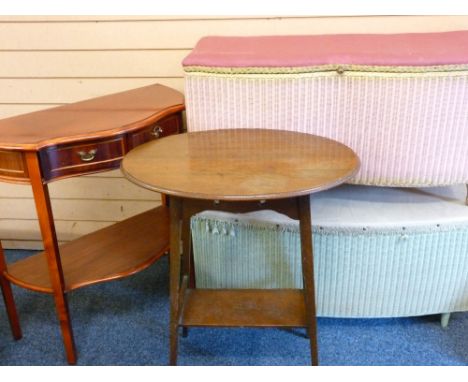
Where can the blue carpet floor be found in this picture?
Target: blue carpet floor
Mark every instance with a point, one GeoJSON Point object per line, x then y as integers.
{"type": "Point", "coordinates": [125, 322]}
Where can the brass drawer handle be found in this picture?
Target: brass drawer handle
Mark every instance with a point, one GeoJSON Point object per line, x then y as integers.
{"type": "Point", "coordinates": [157, 131]}
{"type": "Point", "coordinates": [87, 156]}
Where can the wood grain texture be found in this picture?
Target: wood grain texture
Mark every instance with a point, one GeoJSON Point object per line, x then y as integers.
{"type": "Point", "coordinates": [247, 308]}
{"type": "Point", "coordinates": [71, 141]}
{"type": "Point", "coordinates": [82, 158]}
{"type": "Point", "coordinates": [54, 269]}
{"type": "Point", "coordinates": [160, 129]}
{"type": "Point", "coordinates": [8, 299]}
{"type": "Point", "coordinates": [238, 308]}
{"type": "Point", "coordinates": [8, 110]}
{"type": "Point", "coordinates": [239, 170]}
{"type": "Point", "coordinates": [99, 117]}
{"type": "Point", "coordinates": [175, 207]}
{"type": "Point", "coordinates": [308, 275]}
{"type": "Point", "coordinates": [240, 164]}
{"type": "Point", "coordinates": [13, 167]}
{"type": "Point", "coordinates": [110, 253]}
{"type": "Point", "coordinates": [287, 207]}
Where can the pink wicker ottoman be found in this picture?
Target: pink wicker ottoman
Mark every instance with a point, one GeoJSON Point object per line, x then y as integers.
{"type": "Point", "coordinates": [401, 103]}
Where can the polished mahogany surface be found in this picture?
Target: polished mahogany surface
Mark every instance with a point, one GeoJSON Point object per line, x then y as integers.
{"type": "Point", "coordinates": [240, 164]}
{"type": "Point", "coordinates": [77, 139]}
{"type": "Point", "coordinates": [94, 118]}
{"type": "Point", "coordinates": [108, 254]}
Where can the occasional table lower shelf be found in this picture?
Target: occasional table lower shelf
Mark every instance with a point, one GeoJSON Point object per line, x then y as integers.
{"type": "Point", "coordinates": [111, 253]}
{"type": "Point", "coordinates": [244, 308]}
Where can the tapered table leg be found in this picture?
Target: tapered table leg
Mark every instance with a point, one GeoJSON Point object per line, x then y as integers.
{"type": "Point", "coordinates": [175, 206]}
{"type": "Point", "coordinates": [49, 237]}
{"type": "Point", "coordinates": [8, 298]}
{"type": "Point", "coordinates": [305, 227]}
{"type": "Point", "coordinates": [188, 269]}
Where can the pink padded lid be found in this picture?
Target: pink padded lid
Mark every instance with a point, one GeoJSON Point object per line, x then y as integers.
{"type": "Point", "coordinates": [409, 49]}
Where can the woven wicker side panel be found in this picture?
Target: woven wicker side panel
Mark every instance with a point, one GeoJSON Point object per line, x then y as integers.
{"type": "Point", "coordinates": [407, 130]}
{"type": "Point", "coordinates": [368, 275]}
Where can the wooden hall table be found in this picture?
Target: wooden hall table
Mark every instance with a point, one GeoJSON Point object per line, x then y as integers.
{"type": "Point", "coordinates": [72, 140]}
{"type": "Point", "coordinates": [239, 170]}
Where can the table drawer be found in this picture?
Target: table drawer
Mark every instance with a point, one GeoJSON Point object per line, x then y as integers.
{"type": "Point", "coordinates": [82, 158]}
{"type": "Point", "coordinates": [166, 126]}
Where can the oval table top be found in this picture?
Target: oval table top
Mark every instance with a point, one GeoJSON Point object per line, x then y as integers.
{"type": "Point", "coordinates": [240, 164]}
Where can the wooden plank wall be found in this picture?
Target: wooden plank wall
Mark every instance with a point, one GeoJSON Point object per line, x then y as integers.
{"type": "Point", "coordinates": [53, 60]}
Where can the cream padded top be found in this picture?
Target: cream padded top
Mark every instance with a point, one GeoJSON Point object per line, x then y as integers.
{"type": "Point", "coordinates": [364, 208]}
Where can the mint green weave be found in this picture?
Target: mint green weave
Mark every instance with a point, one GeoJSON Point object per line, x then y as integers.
{"type": "Point", "coordinates": [368, 274]}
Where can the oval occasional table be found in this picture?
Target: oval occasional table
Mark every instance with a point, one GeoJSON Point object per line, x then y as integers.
{"type": "Point", "coordinates": [239, 170]}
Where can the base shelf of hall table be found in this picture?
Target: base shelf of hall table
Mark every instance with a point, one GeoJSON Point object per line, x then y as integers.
{"type": "Point", "coordinates": [111, 253]}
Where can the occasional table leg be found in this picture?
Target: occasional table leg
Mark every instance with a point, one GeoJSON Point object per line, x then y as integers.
{"type": "Point", "coordinates": [175, 206]}
{"type": "Point", "coordinates": [9, 300]}
{"type": "Point", "coordinates": [189, 265]}
{"type": "Point", "coordinates": [187, 252]}
{"type": "Point", "coordinates": [305, 225]}
{"type": "Point", "coordinates": [49, 237]}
